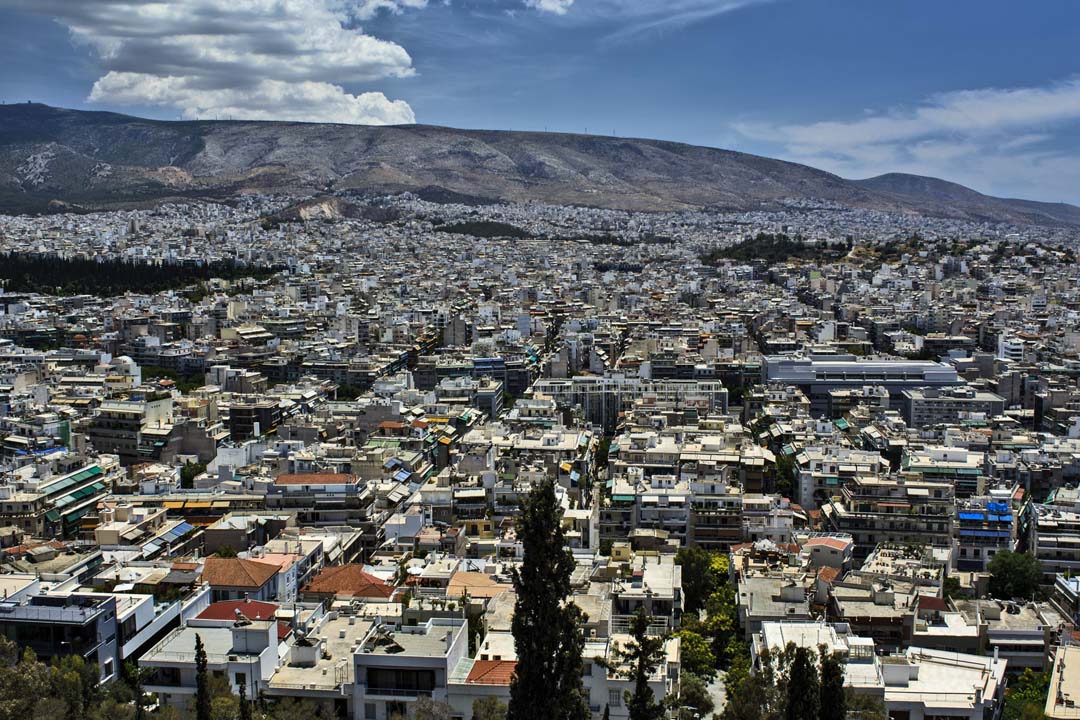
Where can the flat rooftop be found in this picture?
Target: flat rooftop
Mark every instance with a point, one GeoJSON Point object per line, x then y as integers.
{"type": "Point", "coordinates": [341, 636]}
{"type": "Point", "coordinates": [1063, 699]}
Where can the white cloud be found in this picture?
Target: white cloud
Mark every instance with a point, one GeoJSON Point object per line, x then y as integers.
{"type": "Point", "coordinates": [365, 9]}
{"type": "Point", "coordinates": [1001, 140]}
{"type": "Point", "coordinates": [631, 18]}
{"type": "Point", "coordinates": [969, 112]}
{"type": "Point", "coordinates": [559, 7]}
{"type": "Point", "coordinates": [239, 58]}
{"type": "Point", "coordinates": [265, 100]}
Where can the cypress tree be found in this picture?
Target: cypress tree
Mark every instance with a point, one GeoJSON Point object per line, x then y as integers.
{"type": "Point", "coordinates": [202, 682]}
{"type": "Point", "coordinates": [547, 635]}
{"type": "Point", "coordinates": [804, 687]}
{"type": "Point", "coordinates": [245, 706]}
{"type": "Point", "coordinates": [833, 697]}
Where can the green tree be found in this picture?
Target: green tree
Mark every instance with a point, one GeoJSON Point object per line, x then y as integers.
{"type": "Point", "coordinates": [694, 693]}
{"type": "Point", "coordinates": [1014, 575]}
{"type": "Point", "coordinates": [292, 708]}
{"type": "Point", "coordinates": [696, 653]}
{"type": "Point", "coordinates": [135, 677]}
{"type": "Point", "coordinates": [245, 706]}
{"type": "Point", "coordinates": [637, 662]}
{"type": "Point", "coordinates": [833, 697]}
{"type": "Point", "coordinates": [861, 706]}
{"type": "Point", "coordinates": [721, 623]}
{"type": "Point", "coordinates": [698, 577]}
{"type": "Point", "coordinates": [23, 680]}
{"type": "Point", "coordinates": [189, 472]}
{"type": "Point", "coordinates": [427, 709]}
{"type": "Point", "coordinates": [488, 708]}
{"type": "Point", "coordinates": [1026, 698]}
{"type": "Point", "coordinates": [202, 682]}
{"type": "Point", "coordinates": [803, 687]}
{"type": "Point", "coordinates": [546, 629]}
{"type": "Point", "coordinates": [74, 681]}
{"type": "Point", "coordinates": [756, 696]}
{"type": "Point", "coordinates": [785, 475]}
{"type": "Point", "coordinates": [951, 587]}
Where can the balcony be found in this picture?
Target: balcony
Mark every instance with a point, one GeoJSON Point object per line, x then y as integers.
{"type": "Point", "coordinates": [372, 693]}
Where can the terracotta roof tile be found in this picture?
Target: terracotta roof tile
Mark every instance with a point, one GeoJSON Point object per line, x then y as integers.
{"type": "Point", "coordinates": [252, 610]}
{"type": "Point", "coordinates": [348, 580]}
{"type": "Point", "coordinates": [237, 572]}
{"type": "Point", "coordinates": [492, 672]}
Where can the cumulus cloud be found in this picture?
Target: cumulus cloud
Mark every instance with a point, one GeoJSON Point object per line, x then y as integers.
{"type": "Point", "coordinates": [239, 58]}
{"type": "Point", "coordinates": [559, 7]}
{"type": "Point", "coordinates": [1003, 140]}
{"type": "Point", "coordinates": [264, 100]}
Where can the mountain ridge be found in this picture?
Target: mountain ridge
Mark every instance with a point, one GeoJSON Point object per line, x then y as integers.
{"type": "Point", "coordinates": [55, 158]}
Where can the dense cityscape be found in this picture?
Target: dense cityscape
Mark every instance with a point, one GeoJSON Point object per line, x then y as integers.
{"type": "Point", "coordinates": [378, 457]}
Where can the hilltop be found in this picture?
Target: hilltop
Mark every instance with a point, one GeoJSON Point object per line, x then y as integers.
{"type": "Point", "coordinates": [55, 159]}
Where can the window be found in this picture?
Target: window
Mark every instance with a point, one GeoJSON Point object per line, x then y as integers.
{"type": "Point", "coordinates": [369, 711]}
{"type": "Point", "coordinates": [615, 698]}
{"type": "Point", "coordinates": [241, 679]}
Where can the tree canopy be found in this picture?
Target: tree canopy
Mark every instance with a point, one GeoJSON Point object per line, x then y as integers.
{"type": "Point", "coordinates": [52, 274]}
{"type": "Point", "coordinates": [1014, 575]}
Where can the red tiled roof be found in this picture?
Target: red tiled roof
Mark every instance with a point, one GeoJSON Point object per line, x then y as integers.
{"type": "Point", "coordinates": [491, 672]}
{"type": "Point", "coordinates": [348, 580]}
{"type": "Point", "coordinates": [226, 610]}
{"type": "Point", "coordinates": [314, 479]}
{"type": "Point", "coordinates": [237, 572]}
{"type": "Point", "coordinates": [832, 542]}
{"type": "Point", "coordinates": [252, 609]}
{"type": "Point", "coordinates": [828, 575]}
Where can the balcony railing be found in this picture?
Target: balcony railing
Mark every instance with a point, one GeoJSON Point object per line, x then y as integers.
{"type": "Point", "coordinates": [395, 692]}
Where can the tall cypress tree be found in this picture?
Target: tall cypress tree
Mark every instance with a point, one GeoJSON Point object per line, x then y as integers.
{"type": "Point", "coordinates": [833, 698]}
{"type": "Point", "coordinates": [547, 633]}
{"type": "Point", "coordinates": [803, 687]}
{"type": "Point", "coordinates": [245, 706]}
{"type": "Point", "coordinates": [202, 682]}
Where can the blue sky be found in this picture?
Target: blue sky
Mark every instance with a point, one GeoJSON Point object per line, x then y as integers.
{"type": "Point", "coordinates": [985, 93]}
